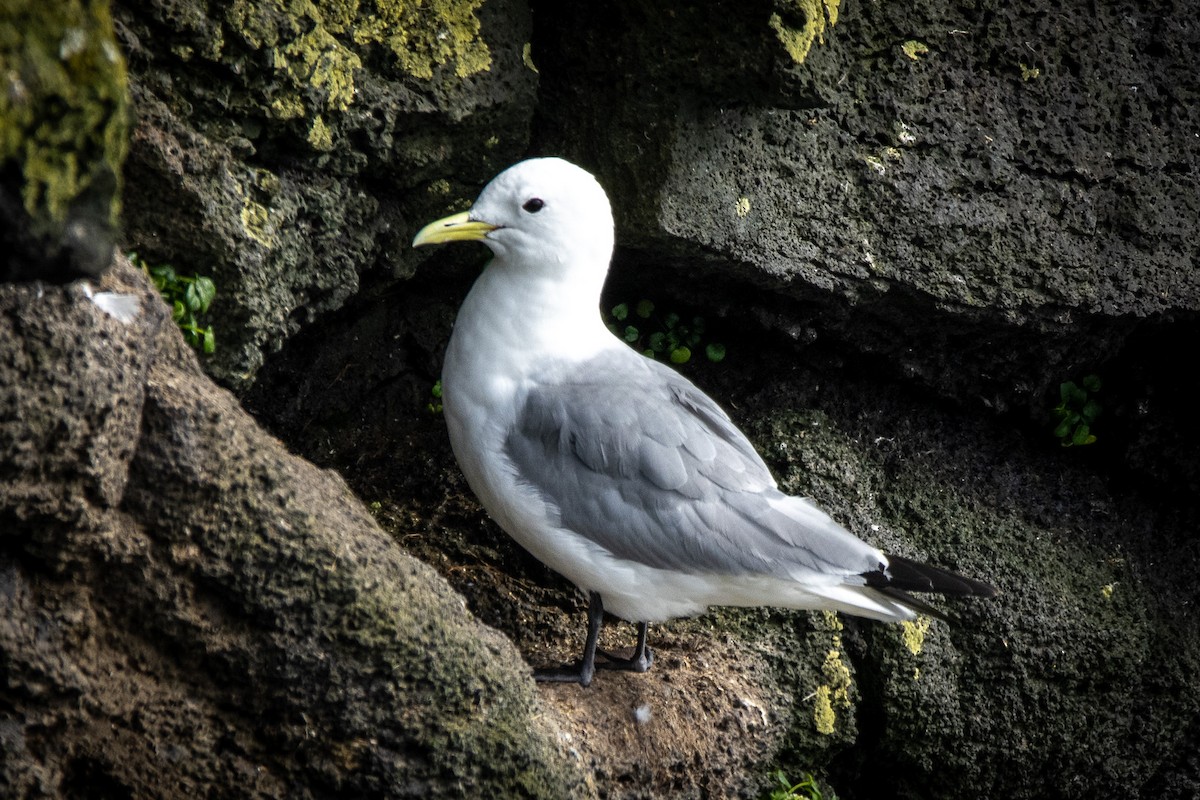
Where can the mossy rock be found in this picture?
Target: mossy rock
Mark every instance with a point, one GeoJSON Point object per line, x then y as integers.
{"type": "Point", "coordinates": [63, 138]}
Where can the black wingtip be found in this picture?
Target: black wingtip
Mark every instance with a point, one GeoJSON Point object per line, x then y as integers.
{"type": "Point", "coordinates": [906, 575]}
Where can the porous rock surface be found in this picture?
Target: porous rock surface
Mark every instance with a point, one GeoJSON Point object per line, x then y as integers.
{"type": "Point", "coordinates": [908, 223]}
{"type": "Point", "coordinates": [287, 152]}
{"type": "Point", "coordinates": [188, 610]}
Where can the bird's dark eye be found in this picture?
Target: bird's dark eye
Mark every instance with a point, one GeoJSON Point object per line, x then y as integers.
{"type": "Point", "coordinates": [534, 205]}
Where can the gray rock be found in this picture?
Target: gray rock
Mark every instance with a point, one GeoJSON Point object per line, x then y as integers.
{"type": "Point", "coordinates": [188, 610]}
{"type": "Point", "coordinates": [288, 155]}
{"type": "Point", "coordinates": [909, 225]}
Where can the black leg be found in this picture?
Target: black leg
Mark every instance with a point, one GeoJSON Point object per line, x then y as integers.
{"type": "Point", "coordinates": [582, 672]}
{"type": "Point", "coordinates": [641, 659]}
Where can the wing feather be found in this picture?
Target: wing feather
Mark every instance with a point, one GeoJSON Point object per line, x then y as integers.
{"type": "Point", "coordinates": [634, 457]}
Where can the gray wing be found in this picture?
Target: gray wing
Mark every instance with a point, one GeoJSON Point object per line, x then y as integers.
{"type": "Point", "coordinates": [634, 457]}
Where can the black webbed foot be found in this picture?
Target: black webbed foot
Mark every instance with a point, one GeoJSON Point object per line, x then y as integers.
{"type": "Point", "coordinates": [582, 671]}
{"type": "Point", "coordinates": [639, 661]}
{"type": "Point", "coordinates": [568, 673]}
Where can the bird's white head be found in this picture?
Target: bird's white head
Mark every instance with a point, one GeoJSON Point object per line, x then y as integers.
{"type": "Point", "coordinates": [543, 215]}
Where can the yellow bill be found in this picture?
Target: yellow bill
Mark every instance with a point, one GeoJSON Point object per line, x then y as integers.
{"type": "Point", "coordinates": [458, 228]}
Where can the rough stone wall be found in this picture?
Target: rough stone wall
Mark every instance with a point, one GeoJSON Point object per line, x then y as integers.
{"type": "Point", "coordinates": [908, 239]}
{"type": "Point", "coordinates": [64, 120]}
{"type": "Point", "coordinates": [186, 609]}
{"type": "Point", "coordinates": [288, 152]}
{"type": "Point", "coordinates": [991, 197]}
{"type": "Point", "coordinates": [908, 222]}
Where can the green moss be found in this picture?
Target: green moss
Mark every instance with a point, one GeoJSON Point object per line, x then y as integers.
{"type": "Point", "coordinates": [63, 105]}
{"type": "Point", "coordinates": [798, 41]}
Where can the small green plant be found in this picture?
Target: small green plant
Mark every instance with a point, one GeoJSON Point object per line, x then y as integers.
{"type": "Point", "coordinates": [669, 335]}
{"type": "Point", "coordinates": [434, 406]}
{"type": "Point", "coordinates": [189, 299]}
{"type": "Point", "coordinates": [1077, 411]}
{"type": "Point", "coordinates": [806, 789]}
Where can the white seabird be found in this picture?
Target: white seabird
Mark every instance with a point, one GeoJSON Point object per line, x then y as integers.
{"type": "Point", "coordinates": [611, 468]}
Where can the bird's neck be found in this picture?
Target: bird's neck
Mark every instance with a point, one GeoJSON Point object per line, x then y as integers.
{"type": "Point", "coordinates": [522, 318]}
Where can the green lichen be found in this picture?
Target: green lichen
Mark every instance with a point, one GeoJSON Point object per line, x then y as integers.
{"type": "Point", "coordinates": [798, 41]}
{"type": "Point", "coordinates": [63, 105]}
{"type": "Point", "coordinates": [834, 693]}
{"type": "Point", "coordinates": [300, 38]}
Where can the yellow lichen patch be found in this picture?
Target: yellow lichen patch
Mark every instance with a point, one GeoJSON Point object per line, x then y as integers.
{"type": "Point", "coordinates": [287, 106]}
{"type": "Point", "coordinates": [319, 137]}
{"type": "Point", "coordinates": [743, 206]}
{"type": "Point", "coordinates": [63, 105]}
{"type": "Point", "coordinates": [1029, 73]}
{"type": "Point", "coordinates": [527, 57]}
{"type": "Point", "coordinates": [440, 187]}
{"type": "Point", "coordinates": [425, 35]}
{"type": "Point", "coordinates": [912, 632]}
{"type": "Point", "coordinates": [319, 60]}
{"type": "Point", "coordinates": [824, 717]}
{"type": "Point", "coordinates": [256, 222]}
{"type": "Point", "coordinates": [798, 41]}
{"type": "Point", "coordinates": [300, 38]}
{"type": "Point", "coordinates": [266, 181]}
{"type": "Point", "coordinates": [834, 691]}
{"type": "Point", "coordinates": [913, 50]}
{"type": "Point", "coordinates": [1106, 591]}
{"type": "Point", "coordinates": [837, 674]}
{"type": "Point", "coordinates": [314, 46]}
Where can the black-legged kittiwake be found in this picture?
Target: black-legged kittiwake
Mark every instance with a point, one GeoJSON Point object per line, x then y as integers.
{"type": "Point", "coordinates": [610, 467]}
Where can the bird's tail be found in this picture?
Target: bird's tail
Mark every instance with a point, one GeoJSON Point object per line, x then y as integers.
{"type": "Point", "coordinates": [904, 575]}
{"type": "Point", "coordinates": [913, 576]}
